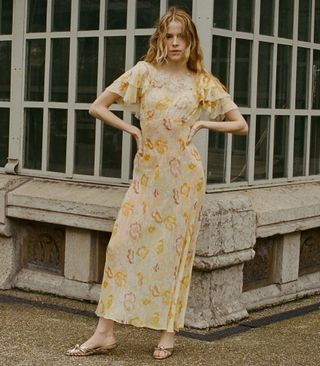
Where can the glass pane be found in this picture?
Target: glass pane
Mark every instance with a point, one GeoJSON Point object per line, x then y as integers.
{"type": "Point", "coordinates": [264, 75]}
{"type": "Point", "coordinates": [6, 17]}
{"type": "Point", "coordinates": [316, 80]}
{"type": "Point", "coordinates": [111, 150]}
{"type": "Point", "coordinates": [245, 15]}
{"type": "Point", "coordinates": [115, 58]}
{"type": "Point", "coordinates": [84, 143]}
{"type": "Point", "coordinates": [216, 157]}
{"type": "Point", "coordinates": [280, 151]}
{"type": "Point", "coordinates": [116, 14]}
{"type": "Point", "coordinates": [61, 15]}
{"type": "Point", "coordinates": [87, 69]}
{"type": "Point", "coordinates": [300, 126]}
{"type": "Point", "coordinates": [59, 73]}
{"type": "Point", "coordinates": [242, 72]}
{"type": "Point", "coordinates": [36, 49]}
{"type": "Point", "coordinates": [148, 12]}
{"type": "Point", "coordinates": [222, 14]}
{"type": "Point", "coordinates": [142, 45]}
{"type": "Point", "coordinates": [5, 70]}
{"type": "Point", "coordinates": [37, 15]}
{"type": "Point", "coordinates": [184, 4]}
{"type": "Point", "coordinates": [33, 138]}
{"type": "Point", "coordinates": [57, 139]}
{"type": "Point", "coordinates": [283, 76]}
{"type": "Point", "coordinates": [315, 146]}
{"type": "Point", "coordinates": [302, 78]}
{"type": "Point", "coordinates": [239, 156]}
{"type": "Point", "coordinates": [220, 60]}
{"type": "Point", "coordinates": [89, 14]}
{"type": "Point", "coordinates": [317, 21]}
{"type": "Point", "coordinates": [267, 17]}
{"type": "Point", "coordinates": [135, 122]}
{"type": "Point", "coordinates": [4, 135]}
{"type": "Point", "coordinates": [262, 147]}
{"type": "Point", "coordinates": [285, 26]}
{"type": "Point", "coordinates": [304, 20]}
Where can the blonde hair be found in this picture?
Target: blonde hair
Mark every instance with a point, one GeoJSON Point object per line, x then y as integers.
{"type": "Point", "coordinates": [157, 52]}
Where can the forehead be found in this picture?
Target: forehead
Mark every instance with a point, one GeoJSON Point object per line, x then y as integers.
{"type": "Point", "coordinates": [175, 27]}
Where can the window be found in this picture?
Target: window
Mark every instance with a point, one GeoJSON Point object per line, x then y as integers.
{"type": "Point", "coordinates": [266, 52]}
{"type": "Point", "coordinates": [6, 11]}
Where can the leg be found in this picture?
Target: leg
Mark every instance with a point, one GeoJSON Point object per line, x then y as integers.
{"type": "Point", "coordinates": [103, 335]}
{"type": "Point", "coordinates": [166, 340]}
{"type": "Point", "coordinates": [102, 340]}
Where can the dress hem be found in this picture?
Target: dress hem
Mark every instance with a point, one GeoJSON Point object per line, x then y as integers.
{"type": "Point", "coordinates": [136, 326]}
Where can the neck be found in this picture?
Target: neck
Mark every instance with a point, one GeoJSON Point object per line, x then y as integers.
{"type": "Point", "coordinates": [175, 66]}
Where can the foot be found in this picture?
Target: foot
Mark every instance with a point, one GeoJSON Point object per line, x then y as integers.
{"type": "Point", "coordinates": [99, 340]}
{"type": "Point", "coordinates": [165, 346]}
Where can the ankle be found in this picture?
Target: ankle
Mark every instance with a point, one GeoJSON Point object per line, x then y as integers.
{"type": "Point", "coordinates": [106, 333]}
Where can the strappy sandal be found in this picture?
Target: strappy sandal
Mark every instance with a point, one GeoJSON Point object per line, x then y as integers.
{"type": "Point", "coordinates": [77, 350]}
{"type": "Point", "coordinates": [168, 352]}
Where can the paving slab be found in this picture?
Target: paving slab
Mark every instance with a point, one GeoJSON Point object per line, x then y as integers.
{"type": "Point", "coordinates": [36, 329]}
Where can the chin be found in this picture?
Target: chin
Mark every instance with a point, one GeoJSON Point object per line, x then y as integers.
{"type": "Point", "coordinates": [176, 58]}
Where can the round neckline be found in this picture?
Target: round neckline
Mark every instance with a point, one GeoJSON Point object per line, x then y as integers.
{"type": "Point", "coordinates": [172, 74]}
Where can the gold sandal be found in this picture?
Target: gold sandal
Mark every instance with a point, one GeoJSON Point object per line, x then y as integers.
{"type": "Point", "coordinates": [168, 353]}
{"type": "Point", "coordinates": [77, 350]}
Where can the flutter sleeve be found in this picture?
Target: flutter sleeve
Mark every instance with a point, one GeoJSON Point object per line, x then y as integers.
{"type": "Point", "coordinates": [130, 86]}
{"type": "Point", "coordinates": [214, 99]}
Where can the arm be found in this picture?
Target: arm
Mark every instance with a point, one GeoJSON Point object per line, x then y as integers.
{"type": "Point", "coordinates": [236, 124]}
{"type": "Point", "coordinates": [100, 109]}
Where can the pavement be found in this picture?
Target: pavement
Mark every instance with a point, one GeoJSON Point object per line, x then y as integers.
{"type": "Point", "coordinates": [36, 329]}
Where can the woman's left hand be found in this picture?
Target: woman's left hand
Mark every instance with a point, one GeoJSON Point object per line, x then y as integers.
{"type": "Point", "coordinates": [193, 130]}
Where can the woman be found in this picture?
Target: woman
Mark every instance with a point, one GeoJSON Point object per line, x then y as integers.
{"type": "Point", "coordinates": [150, 254]}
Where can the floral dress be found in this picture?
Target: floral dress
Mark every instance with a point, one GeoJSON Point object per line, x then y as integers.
{"type": "Point", "coordinates": [150, 254]}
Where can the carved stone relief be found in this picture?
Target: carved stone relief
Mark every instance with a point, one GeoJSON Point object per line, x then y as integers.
{"type": "Point", "coordinates": [43, 246]}
{"type": "Point", "coordinates": [259, 271]}
{"type": "Point", "coordinates": [309, 251]}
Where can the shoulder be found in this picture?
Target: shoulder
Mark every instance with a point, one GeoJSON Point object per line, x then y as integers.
{"type": "Point", "coordinates": [141, 67]}
{"type": "Point", "coordinates": [209, 81]}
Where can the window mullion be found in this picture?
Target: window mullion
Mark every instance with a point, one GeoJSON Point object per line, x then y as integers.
{"type": "Point", "coordinates": [72, 88]}
{"type": "Point", "coordinates": [307, 146]}
{"type": "Point", "coordinates": [203, 18]}
{"type": "Point", "coordinates": [16, 98]}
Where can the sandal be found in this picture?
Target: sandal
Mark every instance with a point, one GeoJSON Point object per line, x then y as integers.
{"type": "Point", "coordinates": [168, 352]}
{"type": "Point", "coordinates": [77, 350]}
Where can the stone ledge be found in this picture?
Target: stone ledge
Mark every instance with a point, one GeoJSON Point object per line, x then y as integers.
{"type": "Point", "coordinates": [7, 184]}
{"type": "Point", "coordinates": [284, 209]}
{"type": "Point", "coordinates": [223, 260]}
{"type": "Point", "coordinates": [58, 285]}
{"type": "Point", "coordinates": [257, 212]}
{"type": "Point", "coordinates": [280, 293]}
{"type": "Point", "coordinates": [67, 203]}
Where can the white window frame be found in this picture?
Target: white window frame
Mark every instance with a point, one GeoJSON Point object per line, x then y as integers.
{"type": "Point", "coordinates": [203, 18]}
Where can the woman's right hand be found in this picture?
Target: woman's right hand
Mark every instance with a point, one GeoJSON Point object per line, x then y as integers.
{"type": "Point", "coordinates": [137, 134]}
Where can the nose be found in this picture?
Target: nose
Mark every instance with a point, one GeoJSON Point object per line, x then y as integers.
{"type": "Point", "coordinates": [175, 40]}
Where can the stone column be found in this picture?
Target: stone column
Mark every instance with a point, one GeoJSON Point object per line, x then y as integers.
{"type": "Point", "coordinates": [80, 249]}
{"type": "Point", "coordinates": [288, 254]}
{"type": "Point", "coordinates": [225, 242]}
{"type": "Point", "coordinates": [9, 249]}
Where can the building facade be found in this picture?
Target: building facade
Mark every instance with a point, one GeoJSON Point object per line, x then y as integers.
{"type": "Point", "coordinates": [63, 173]}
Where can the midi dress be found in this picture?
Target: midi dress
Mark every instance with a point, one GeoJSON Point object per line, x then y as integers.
{"type": "Point", "coordinates": [151, 250]}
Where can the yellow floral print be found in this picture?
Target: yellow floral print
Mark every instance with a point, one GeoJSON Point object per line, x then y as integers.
{"type": "Point", "coordinates": [150, 253]}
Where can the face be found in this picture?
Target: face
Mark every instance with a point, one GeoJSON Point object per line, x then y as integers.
{"type": "Point", "coordinates": [176, 43]}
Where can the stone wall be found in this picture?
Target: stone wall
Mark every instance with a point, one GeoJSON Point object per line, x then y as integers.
{"type": "Point", "coordinates": [256, 247]}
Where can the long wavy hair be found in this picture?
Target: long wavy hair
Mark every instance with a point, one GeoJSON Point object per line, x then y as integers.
{"type": "Point", "coordinates": [157, 52]}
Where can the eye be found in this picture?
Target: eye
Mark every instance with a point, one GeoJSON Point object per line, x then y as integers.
{"type": "Point", "coordinates": [168, 36]}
